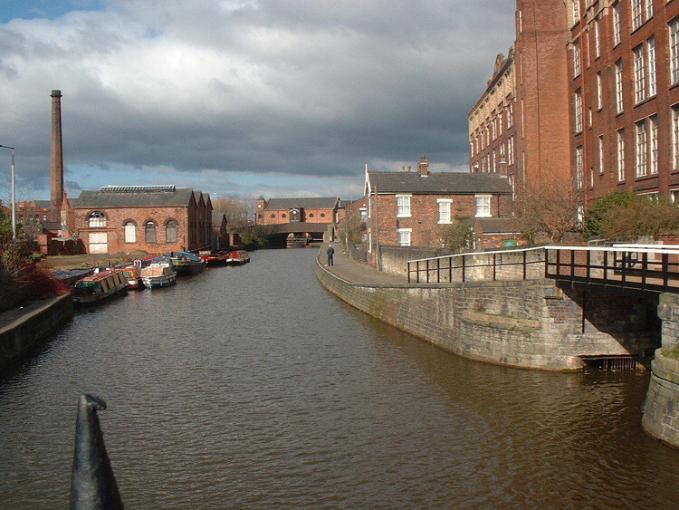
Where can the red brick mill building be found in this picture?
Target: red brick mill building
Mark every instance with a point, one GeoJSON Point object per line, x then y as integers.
{"type": "Point", "coordinates": [154, 219]}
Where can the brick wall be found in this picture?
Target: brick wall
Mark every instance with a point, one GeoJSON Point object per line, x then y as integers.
{"type": "Point", "coordinates": [531, 324]}
{"type": "Point", "coordinates": [116, 219]}
{"type": "Point", "coordinates": [280, 216]}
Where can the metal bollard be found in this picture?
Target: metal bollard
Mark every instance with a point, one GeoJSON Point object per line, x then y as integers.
{"type": "Point", "coordinates": [93, 485]}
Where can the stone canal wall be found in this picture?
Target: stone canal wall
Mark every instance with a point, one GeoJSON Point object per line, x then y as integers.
{"type": "Point", "coordinates": [530, 324]}
{"type": "Point", "coordinates": [21, 331]}
{"type": "Point", "coordinates": [661, 411]}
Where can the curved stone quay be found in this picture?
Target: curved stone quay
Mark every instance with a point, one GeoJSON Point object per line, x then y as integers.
{"type": "Point", "coordinates": [253, 387]}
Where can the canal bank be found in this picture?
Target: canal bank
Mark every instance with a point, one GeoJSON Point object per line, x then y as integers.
{"type": "Point", "coordinates": [26, 328]}
{"type": "Point", "coordinates": [527, 324]}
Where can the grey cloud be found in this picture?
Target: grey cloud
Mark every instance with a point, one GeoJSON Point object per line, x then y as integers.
{"type": "Point", "coordinates": [280, 86]}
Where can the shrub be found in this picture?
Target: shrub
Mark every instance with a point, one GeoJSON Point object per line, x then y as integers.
{"type": "Point", "coordinates": [457, 236]}
{"type": "Point", "coordinates": [592, 227]}
{"type": "Point", "coordinates": [640, 218]}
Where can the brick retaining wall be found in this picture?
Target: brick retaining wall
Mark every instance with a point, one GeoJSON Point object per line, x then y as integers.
{"type": "Point", "coordinates": [31, 329]}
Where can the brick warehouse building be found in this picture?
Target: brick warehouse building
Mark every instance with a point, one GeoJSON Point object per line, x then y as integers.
{"type": "Point", "coordinates": [280, 211]}
{"type": "Point", "coordinates": [155, 219]}
{"type": "Point", "coordinates": [624, 70]}
{"type": "Point", "coordinates": [410, 208]}
{"type": "Point", "coordinates": [522, 120]}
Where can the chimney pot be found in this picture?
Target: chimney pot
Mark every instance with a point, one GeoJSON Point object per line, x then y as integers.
{"type": "Point", "coordinates": [423, 167]}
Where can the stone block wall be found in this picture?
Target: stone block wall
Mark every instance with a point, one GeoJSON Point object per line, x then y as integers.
{"type": "Point", "coordinates": [530, 324]}
{"type": "Point", "coordinates": [661, 410]}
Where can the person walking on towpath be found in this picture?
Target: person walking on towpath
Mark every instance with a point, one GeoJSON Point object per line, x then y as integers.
{"type": "Point", "coordinates": [331, 252]}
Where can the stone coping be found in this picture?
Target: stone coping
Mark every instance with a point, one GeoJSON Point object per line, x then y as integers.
{"type": "Point", "coordinates": [11, 319]}
{"type": "Point", "coordinates": [665, 368]}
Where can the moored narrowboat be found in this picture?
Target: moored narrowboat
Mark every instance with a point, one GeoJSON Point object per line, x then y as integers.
{"type": "Point", "coordinates": [186, 263]}
{"type": "Point", "coordinates": [214, 258]}
{"type": "Point", "coordinates": [158, 274]}
{"type": "Point", "coordinates": [238, 257]}
{"type": "Point", "coordinates": [99, 287]}
{"type": "Point", "coordinates": [133, 276]}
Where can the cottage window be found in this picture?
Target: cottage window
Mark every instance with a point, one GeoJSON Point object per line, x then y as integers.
{"type": "Point", "coordinates": [130, 232]}
{"type": "Point", "coordinates": [96, 219]}
{"type": "Point", "coordinates": [404, 236]}
{"type": "Point", "coordinates": [403, 206]}
{"type": "Point", "coordinates": [444, 210]}
{"type": "Point", "coordinates": [483, 206]}
{"type": "Point", "coordinates": [171, 232]}
{"type": "Point", "coordinates": [363, 214]}
{"type": "Point", "coordinates": [150, 232]}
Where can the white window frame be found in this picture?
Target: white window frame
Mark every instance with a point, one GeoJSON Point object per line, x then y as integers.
{"type": "Point", "coordinates": [674, 51]}
{"type": "Point", "coordinates": [637, 14]}
{"type": "Point", "coordinates": [402, 207]}
{"type": "Point", "coordinates": [639, 74]}
{"type": "Point", "coordinates": [601, 154]}
{"type": "Point", "coordinates": [363, 214]}
{"type": "Point", "coordinates": [579, 167]}
{"type": "Point", "coordinates": [621, 155]}
{"type": "Point", "coordinates": [652, 74]}
{"type": "Point", "coordinates": [577, 104]}
{"type": "Point", "coordinates": [641, 136]}
{"type": "Point", "coordinates": [481, 207]}
{"type": "Point", "coordinates": [599, 93]}
{"type": "Point", "coordinates": [442, 203]}
{"type": "Point", "coordinates": [597, 39]}
{"type": "Point", "coordinates": [130, 232]}
{"type": "Point", "coordinates": [577, 64]}
{"type": "Point", "coordinates": [619, 98]}
{"type": "Point", "coordinates": [616, 24]}
{"type": "Point", "coordinates": [653, 144]}
{"type": "Point", "coordinates": [400, 232]}
{"type": "Point", "coordinates": [96, 219]}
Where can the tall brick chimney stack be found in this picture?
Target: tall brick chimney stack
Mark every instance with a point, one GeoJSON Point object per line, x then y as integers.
{"type": "Point", "coordinates": [423, 167]}
{"type": "Point", "coordinates": [57, 164]}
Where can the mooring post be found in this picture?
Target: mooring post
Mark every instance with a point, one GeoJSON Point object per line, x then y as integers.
{"type": "Point", "coordinates": [93, 485]}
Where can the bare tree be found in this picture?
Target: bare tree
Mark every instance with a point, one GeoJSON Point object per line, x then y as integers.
{"type": "Point", "coordinates": [238, 211]}
{"type": "Point", "coordinates": [548, 212]}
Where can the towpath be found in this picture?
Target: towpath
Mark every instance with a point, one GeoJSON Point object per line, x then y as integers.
{"type": "Point", "coordinates": [358, 272]}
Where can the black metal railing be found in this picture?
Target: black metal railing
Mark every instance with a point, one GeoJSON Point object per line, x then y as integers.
{"type": "Point", "coordinates": [649, 268]}
{"type": "Point", "coordinates": [465, 267]}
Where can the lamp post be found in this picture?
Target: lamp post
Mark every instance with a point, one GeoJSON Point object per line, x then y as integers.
{"type": "Point", "coordinates": [14, 208]}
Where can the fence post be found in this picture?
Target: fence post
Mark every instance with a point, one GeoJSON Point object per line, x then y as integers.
{"type": "Point", "coordinates": [464, 264]}
{"type": "Point", "coordinates": [624, 267]}
{"type": "Point", "coordinates": [408, 271]}
{"type": "Point", "coordinates": [572, 264]}
{"type": "Point", "coordinates": [494, 265]}
{"type": "Point", "coordinates": [605, 266]}
{"type": "Point", "coordinates": [665, 269]}
{"type": "Point", "coordinates": [427, 270]}
{"type": "Point", "coordinates": [438, 270]}
{"type": "Point", "coordinates": [546, 263]}
{"type": "Point", "coordinates": [589, 261]}
{"type": "Point", "coordinates": [450, 269]}
{"type": "Point", "coordinates": [417, 271]}
{"type": "Point", "coordinates": [644, 268]}
{"type": "Point", "coordinates": [558, 262]}
{"type": "Point", "coordinates": [525, 256]}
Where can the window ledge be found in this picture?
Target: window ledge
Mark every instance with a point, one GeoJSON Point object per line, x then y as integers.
{"type": "Point", "coordinates": [404, 216]}
{"type": "Point", "coordinates": [445, 223]}
{"type": "Point", "coordinates": [483, 216]}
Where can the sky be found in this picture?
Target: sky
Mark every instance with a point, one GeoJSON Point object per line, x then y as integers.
{"type": "Point", "coordinates": [242, 97]}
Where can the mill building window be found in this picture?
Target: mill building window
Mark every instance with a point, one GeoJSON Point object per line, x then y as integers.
{"type": "Point", "coordinates": [616, 23]}
{"type": "Point", "coordinates": [96, 219]}
{"type": "Point", "coordinates": [578, 112]}
{"type": "Point", "coordinates": [130, 232]}
{"type": "Point", "coordinates": [579, 168]}
{"type": "Point", "coordinates": [653, 153]}
{"type": "Point", "coordinates": [642, 153]}
{"type": "Point", "coordinates": [652, 78]}
{"type": "Point", "coordinates": [639, 74]}
{"type": "Point", "coordinates": [171, 232]}
{"type": "Point", "coordinates": [577, 69]}
{"type": "Point", "coordinates": [674, 51]}
{"type": "Point", "coordinates": [621, 155]}
{"type": "Point", "coordinates": [150, 232]}
{"type": "Point", "coordinates": [675, 136]}
{"type": "Point", "coordinates": [619, 105]}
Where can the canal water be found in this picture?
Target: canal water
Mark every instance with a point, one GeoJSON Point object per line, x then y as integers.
{"type": "Point", "coordinates": [252, 387]}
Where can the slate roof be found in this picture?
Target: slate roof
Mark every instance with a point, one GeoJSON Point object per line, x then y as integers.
{"type": "Point", "coordinates": [302, 203]}
{"type": "Point", "coordinates": [43, 204]}
{"type": "Point", "coordinates": [453, 183]}
{"type": "Point", "coordinates": [136, 197]}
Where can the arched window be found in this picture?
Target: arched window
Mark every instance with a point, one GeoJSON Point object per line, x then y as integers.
{"type": "Point", "coordinates": [322, 215]}
{"type": "Point", "coordinates": [130, 232]}
{"type": "Point", "coordinates": [171, 232]}
{"type": "Point", "coordinates": [96, 219]}
{"type": "Point", "coordinates": [150, 232]}
{"type": "Point", "coordinates": [311, 215]}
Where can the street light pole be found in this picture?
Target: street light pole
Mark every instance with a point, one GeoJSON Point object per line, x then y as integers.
{"type": "Point", "coordinates": [14, 208]}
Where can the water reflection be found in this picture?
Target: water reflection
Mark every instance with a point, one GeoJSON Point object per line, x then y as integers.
{"type": "Point", "coordinates": [252, 387]}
